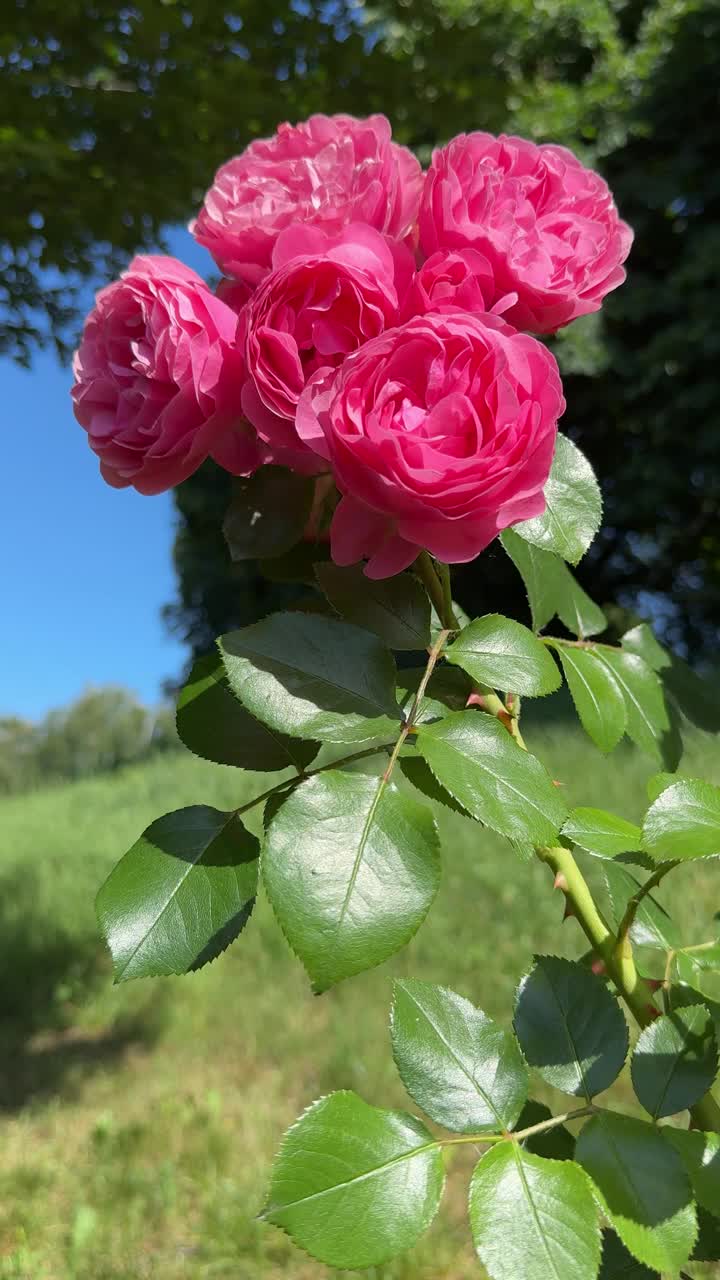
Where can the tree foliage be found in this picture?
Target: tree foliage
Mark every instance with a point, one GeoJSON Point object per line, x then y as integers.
{"type": "Point", "coordinates": [117, 118]}
{"type": "Point", "coordinates": [101, 730]}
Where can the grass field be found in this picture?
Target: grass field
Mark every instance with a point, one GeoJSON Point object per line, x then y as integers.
{"type": "Point", "coordinates": [138, 1122]}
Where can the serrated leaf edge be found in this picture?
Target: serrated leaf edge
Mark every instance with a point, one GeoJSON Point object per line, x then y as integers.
{"type": "Point", "coordinates": [318, 990]}
{"type": "Point", "coordinates": [263, 1215]}
{"type": "Point", "coordinates": [562, 1164]}
{"type": "Point", "coordinates": [574, 964]}
{"type": "Point", "coordinates": [402, 984]}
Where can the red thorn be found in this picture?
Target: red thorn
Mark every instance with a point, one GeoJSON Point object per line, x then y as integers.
{"type": "Point", "coordinates": [568, 913]}
{"type": "Point", "coordinates": [655, 984]}
{"type": "Point", "coordinates": [560, 882]}
{"type": "Point", "coordinates": [556, 783]}
{"type": "Point", "coordinates": [475, 700]}
{"type": "Point", "coordinates": [652, 1011]}
{"type": "Point", "coordinates": [598, 966]}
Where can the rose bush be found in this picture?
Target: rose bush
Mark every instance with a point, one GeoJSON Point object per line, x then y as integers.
{"type": "Point", "coordinates": [327, 172]}
{"type": "Point", "coordinates": [157, 375]}
{"type": "Point", "coordinates": [434, 420]}
{"type": "Point", "coordinates": [547, 226]}
{"type": "Point", "coordinates": [324, 298]}
{"type": "Point", "coordinates": [439, 433]}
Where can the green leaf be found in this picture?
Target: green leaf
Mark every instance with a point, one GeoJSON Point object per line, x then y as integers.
{"type": "Point", "coordinates": [419, 773]}
{"type": "Point", "coordinates": [682, 996]}
{"type": "Point", "coordinates": [313, 677]}
{"type": "Point", "coordinates": [539, 571]}
{"type": "Point", "coordinates": [462, 1069]}
{"type": "Point", "coordinates": [447, 689]}
{"type": "Point", "coordinates": [643, 1187]}
{"type": "Point", "coordinates": [601, 833]}
{"type": "Point", "coordinates": [597, 695]}
{"type": "Point", "coordinates": [696, 698]}
{"type": "Point", "coordinates": [652, 926]}
{"type": "Point", "coordinates": [648, 722]}
{"type": "Point", "coordinates": [700, 1154]}
{"type": "Point", "coordinates": [533, 1218]}
{"type": "Point", "coordinates": [684, 821]}
{"type": "Point", "coordinates": [573, 506]}
{"type": "Point", "coordinates": [707, 1246]}
{"type": "Point", "coordinates": [502, 653]}
{"type": "Point", "coordinates": [180, 895]}
{"type": "Point", "coordinates": [575, 609]}
{"type": "Point", "coordinates": [675, 1061]}
{"type": "Point", "coordinates": [641, 640]}
{"type": "Point", "coordinates": [618, 1264]}
{"type": "Point", "coordinates": [658, 783]}
{"type": "Point", "coordinates": [213, 724]}
{"type": "Point", "coordinates": [436, 625]}
{"type": "Point", "coordinates": [570, 1027]}
{"type": "Point", "coordinates": [690, 972]}
{"type": "Point", "coordinates": [396, 609]}
{"type": "Point", "coordinates": [268, 513]}
{"type": "Point", "coordinates": [704, 956]}
{"type": "Point", "coordinates": [555, 1144]}
{"type": "Point", "coordinates": [354, 1185]}
{"type": "Point", "coordinates": [474, 757]}
{"type": "Point", "coordinates": [351, 866]}
{"type": "Point", "coordinates": [552, 589]}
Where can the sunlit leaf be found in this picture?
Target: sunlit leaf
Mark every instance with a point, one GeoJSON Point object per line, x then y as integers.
{"type": "Point", "coordinates": [465, 1072]}
{"type": "Point", "coordinates": [354, 1185]}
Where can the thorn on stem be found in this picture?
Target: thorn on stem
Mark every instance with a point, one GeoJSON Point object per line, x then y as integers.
{"type": "Point", "coordinates": [598, 966]}
{"type": "Point", "coordinates": [476, 700]}
{"type": "Point", "coordinates": [560, 882]}
{"type": "Point", "coordinates": [568, 913]}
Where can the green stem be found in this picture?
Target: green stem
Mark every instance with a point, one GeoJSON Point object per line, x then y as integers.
{"type": "Point", "coordinates": [437, 580]}
{"type": "Point", "coordinates": [631, 910]}
{"type": "Point", "coordinates": [581, 904]}
{"type": "Point", "coordinates": [619, 962]}
{"type": "Point", "coordinates": [521, 1134]}
{"type": "Point", "coordinates": [425, 570]}
{"type": "Point", "coordinates": [417, 701]}
{"type": "Point", "coordinates": [556, 643]}
{"type": "Point", "coordinates": [290, 783]}
{"type": "Point", "coordinates": [448, 617]}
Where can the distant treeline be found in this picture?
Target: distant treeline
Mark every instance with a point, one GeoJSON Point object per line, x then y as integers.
{"type": "Point", "coordinates": [102, 729]}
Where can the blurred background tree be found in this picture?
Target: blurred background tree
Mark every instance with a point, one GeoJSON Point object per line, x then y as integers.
{"type": "Point", "coordinates": [101, 730]}
{"type": "Point", "coordinates": [116, 118]}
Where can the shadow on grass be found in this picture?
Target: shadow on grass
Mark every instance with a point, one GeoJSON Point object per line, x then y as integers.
{"type": "Point", "coordinates": [47, 973]}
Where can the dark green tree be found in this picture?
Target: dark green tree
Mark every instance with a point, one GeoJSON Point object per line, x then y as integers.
{"type": "Point", "coordinates": [651, 421]}
{"type": "Point", "coordinates": [115, 120]}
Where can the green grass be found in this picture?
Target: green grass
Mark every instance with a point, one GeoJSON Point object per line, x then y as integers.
{"type": "Point", "coordinates": [138, 1122]}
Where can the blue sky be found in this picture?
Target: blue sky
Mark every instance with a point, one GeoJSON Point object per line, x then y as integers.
{"type": "Point", "coordinates": [85, 568]}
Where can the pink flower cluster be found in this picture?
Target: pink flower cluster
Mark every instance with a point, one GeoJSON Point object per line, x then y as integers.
{"type": "Point", "coordinates": [373, 321]}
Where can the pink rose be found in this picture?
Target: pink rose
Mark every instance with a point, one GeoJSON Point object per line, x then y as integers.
{"type": "Point", "coordinates": [327, 172]}
{"type": "Point", "coordinates": [158, 376]}
{"type": "Point", "coordinates": [325, 297]}
{"type": "Point", "coordinates": [547, 226]}
{"type": "Point", "coordinates": [440, 434]}
{"type": "Point", "coordinates": [455, 280]}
